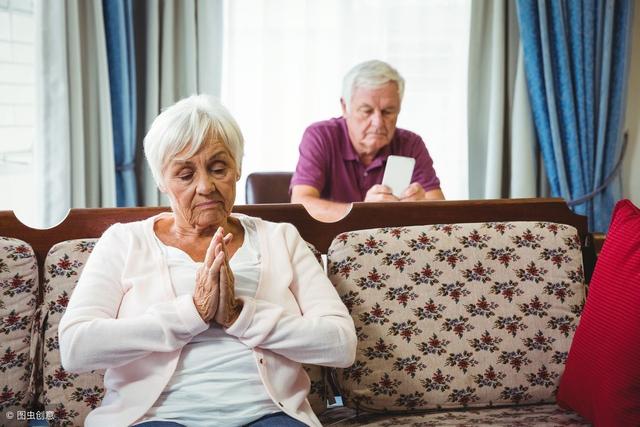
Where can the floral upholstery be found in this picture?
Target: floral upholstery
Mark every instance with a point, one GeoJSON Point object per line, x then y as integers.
{"type": "Point", "coordinates": [18, 294]}
{"type": "Point", "coordinates": [72, 396]}
{"type": "Point", "coordinates": [531, 415]}
{"type": "Point", "coordinates": [462, 315]}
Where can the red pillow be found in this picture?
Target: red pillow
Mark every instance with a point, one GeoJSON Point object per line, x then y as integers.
{"type": "Point", "coordinates": [601, 380]}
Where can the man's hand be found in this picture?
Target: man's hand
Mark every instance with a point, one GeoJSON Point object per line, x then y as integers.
{"type": "Point", "coordinates": [380, 193]}
{"type": "Point", "coordinates": [415, 193]}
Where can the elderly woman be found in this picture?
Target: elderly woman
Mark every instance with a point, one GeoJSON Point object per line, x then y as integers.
{"type": "Point", "coordinates": [199, 316]}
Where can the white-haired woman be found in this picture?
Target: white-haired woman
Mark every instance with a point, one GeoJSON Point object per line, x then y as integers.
{"type": "Point", "coordinates": [199, 316]}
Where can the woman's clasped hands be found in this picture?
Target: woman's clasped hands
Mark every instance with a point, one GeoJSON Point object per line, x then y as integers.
{"type": "Point", "coordinates": [214, 294]}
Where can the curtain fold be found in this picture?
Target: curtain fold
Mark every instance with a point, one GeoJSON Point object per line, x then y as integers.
{"type": "Point", "coordinates": [179, 53]}
{"type": "Point", "coordinates": [122, 82]}
{"type": "Point", "coordinates": [95, 60]}
{"type": "Point", "coordinates": [576, 61]}
{"type": "Point", "coordinates": [503, 159]}
{"type": "Point", "coordinates": [73, 149]}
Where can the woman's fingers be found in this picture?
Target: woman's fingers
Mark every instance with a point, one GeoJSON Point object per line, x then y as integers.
{"type": "Point", "coordinates": [228, 306]}
{"type": "Point", "coordinates": [228, 238]}
{"type": "Point", "coordinates": [218, 261]}
{"type": "Point", "coordinates": [224, 285]}
{"type": "Point", "coordinates": [215, 293]}
{"type": "Point", "coordinates": [211, 253]}
{"type": "Point", "coordinates": [206, 295]}
{"type": "Point", "coordinates": [229, 272]}
{"type": "Point", "coordinates": [218, 249]}
{"type": "Point", "coordinates": [226, 295]}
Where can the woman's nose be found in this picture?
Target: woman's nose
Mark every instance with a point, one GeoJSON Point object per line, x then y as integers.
{"type": "Point", "coordinates": [206, 184]}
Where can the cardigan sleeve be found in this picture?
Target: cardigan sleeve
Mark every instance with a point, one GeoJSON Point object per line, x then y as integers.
{"type": "Point", "coordinates": [91, 335]}
{"type": "Point", "coordinates": [322, 334]}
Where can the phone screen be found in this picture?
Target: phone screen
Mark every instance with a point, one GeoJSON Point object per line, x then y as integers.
{"type": "Point", "coordinates": [398, 173]}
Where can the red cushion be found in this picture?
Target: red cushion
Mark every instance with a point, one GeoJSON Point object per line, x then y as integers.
{"type": "Point", "coordinates": [601, 380]}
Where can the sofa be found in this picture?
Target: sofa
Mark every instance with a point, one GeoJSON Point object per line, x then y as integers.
{"type": "Point", "coordinates": [464, 310]}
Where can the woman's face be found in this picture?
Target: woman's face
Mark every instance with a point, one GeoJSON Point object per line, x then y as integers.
{"type": "Point", "coordinates": [202, 188]}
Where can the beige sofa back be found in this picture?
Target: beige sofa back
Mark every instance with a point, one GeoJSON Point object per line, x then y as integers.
{"type": "Point", "coordinates": [18, 313]}
{"type": "Point", "coordinates": [458, 315]}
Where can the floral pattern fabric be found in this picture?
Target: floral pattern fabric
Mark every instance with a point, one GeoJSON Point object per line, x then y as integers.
{"type": "Point", "coordinates": [458, 315]}
{"type": "Point", "coordinates": [72, 396]}
{"type": "Point", "coordinates": [532, 415]}
{"type": "Point", "coordinates": [18, 312]}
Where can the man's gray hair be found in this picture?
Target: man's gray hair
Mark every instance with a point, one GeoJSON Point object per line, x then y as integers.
{"type": "Point", "coordinates": [370, 74]}
{"type": "Point", "coordinates": [188, 124]}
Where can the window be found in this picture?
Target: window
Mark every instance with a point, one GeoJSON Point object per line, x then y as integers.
{"type": "Point", "coordinates": [17, 106]}
{"type": "Point", "coordinates": [284, 62]}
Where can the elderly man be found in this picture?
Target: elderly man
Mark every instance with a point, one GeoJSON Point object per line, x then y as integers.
{"type": "Point", "coordinates": [342, 160]}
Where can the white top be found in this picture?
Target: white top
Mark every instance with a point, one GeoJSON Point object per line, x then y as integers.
{"type": "Point", "coordinates": [125, 318]}
{"type": "Point", "coordinates": [216, 381]}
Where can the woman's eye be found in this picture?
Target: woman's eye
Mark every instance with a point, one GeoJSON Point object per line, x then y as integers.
{"type": "Point", "coordinates": [219, 169]}
{"type": "Point", "coordinates": [185, 177]}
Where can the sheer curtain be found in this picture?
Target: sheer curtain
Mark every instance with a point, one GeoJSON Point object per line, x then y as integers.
{"type": "Point", "coordinates": [73, 150]}
{"type": "Point", "coordinates": [179, 49]}
{"type": "Point", "coordinates": [284, 61]}
{"type": "Point", "coordinates": [503, 156]}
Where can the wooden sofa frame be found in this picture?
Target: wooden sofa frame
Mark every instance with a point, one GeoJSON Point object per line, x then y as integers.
{"type": "Point", "coordinates": [88, 223]}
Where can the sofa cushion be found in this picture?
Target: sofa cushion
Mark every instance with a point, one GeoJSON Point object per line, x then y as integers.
{"type": "Point", "coordinates": [18, 294]}
{"type": "Point", "coordinates": [603, 368]}
{"type": "Point", "coordinates": [530, 415]}
{"type": "Point", "coordinates": [459, 315]}
{"type": "Point", "coordinates": [72, 396]}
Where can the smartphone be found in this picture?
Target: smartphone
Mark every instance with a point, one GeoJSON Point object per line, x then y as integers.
{"type": "Point", "coordinates": [398, 173]}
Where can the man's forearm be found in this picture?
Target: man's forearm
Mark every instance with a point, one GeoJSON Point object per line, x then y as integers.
{"type": "Point", "coordinates": [323, 210]}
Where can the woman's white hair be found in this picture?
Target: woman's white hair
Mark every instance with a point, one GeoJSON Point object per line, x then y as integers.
{"type": "Point", "coordinates": [188, 124]}
{"type": "Point", "coordinates": [370, 74]}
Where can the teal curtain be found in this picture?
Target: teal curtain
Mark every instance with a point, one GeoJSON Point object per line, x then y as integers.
{"type": "Point", "coordinates": [118, 19]}
{"type": "Point", "coordinates": [576, 56]}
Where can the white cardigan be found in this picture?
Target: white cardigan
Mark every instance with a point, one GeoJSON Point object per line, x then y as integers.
{"type": "Point", "coordinates": [124, 317]}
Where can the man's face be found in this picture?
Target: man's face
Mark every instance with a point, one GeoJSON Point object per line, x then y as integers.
{"type": "Point", "coordinates": [372, 118]}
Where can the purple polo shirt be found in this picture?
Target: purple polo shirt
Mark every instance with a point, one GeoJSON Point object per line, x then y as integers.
{"type": "Point", "coordinates": [329, 163]}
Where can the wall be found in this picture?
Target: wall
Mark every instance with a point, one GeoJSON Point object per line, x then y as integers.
{"type": "Point", "coordinates": [631, 165]}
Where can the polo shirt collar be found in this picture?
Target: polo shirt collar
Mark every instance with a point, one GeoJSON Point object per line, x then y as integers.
{"type": "Point", "coordinates": [348, 152]}
{"type": "Point", "coordinates": [381, 157]}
